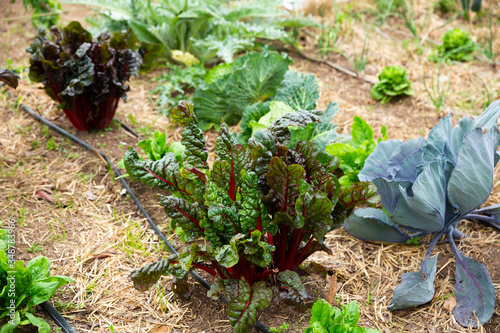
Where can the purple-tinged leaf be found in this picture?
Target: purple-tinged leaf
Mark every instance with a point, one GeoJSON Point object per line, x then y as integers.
{"type": "Point", "coordinates": [300, 118]}
{"type": "Point", "coordinates": [372, 224]}
{"type": "Point", "coordinates": [253, 214]}
{"type": "Point", "coordinates": [389, 192]}
{"type": "Point", "coordinates": [475, 292]}
{"type": "Point", "coordinates": [426, 209]}
{"type": "Point", "coordinates": [439, 142]}
{"type": "Point", "coordinates": [377, 164]}
{"type": "Point", "coordinates": [182, 113]}
{"type": "Point", "coordinates": [183, 214]}
{"type": "Point", "coordinates": [315, 268]}
{"type": "Point", "coordinates": [284, 182]}
{"type": "Point", "coordinates": [361, 193]}
{"type": "Point", "coordinates": [471, 181]}
{"type": "Point", "coordinates": [295, 290]}
{"type": "Point", "coordinates": [9, 78]}
{"type": "Point", "coordinates": [414, 289]}
{"type": "Point", "coordinates": [314, 210]}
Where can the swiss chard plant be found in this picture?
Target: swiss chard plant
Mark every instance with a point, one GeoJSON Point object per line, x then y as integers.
{"type": "Point", "coordinates": [352, 154]}
{"type": "Point", "coordinates": [429, 187]}
{"type": "Point", "coordinates": [9, 78]}
{"type": "Point", "coordinates": [298, 91]}
{"type": "Point", "coordinates": [393, 81]}
{"type": "Point", "coordinates": [457, 45]}
{"type": "Point", "coordinates": [86, 77]}
{"type": "Point", "coordinates": [23, 287]}
{"type": "Point", "coordinates": [328, 319]}
{"type": "Point", "coordinates": [261, 211]}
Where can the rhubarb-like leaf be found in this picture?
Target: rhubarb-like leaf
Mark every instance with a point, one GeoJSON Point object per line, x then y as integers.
{"type": "Point", "coordinates": [284, 182]}
{"type": "Point", "coordinates": [416, 288]}
{"type": "Point", "coordinates": [183, 214]}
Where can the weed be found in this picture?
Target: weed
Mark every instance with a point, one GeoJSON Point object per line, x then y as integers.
{"type": "Point", "coordinates": [84, 177]}
{"type": "Point", "coordinates": [485, 46]}
{"type": "Point", "coordinates": [360, 60]}
{"type": "Point", "coordinates": [35, 144]}
{"type": "Point", "coordinates": [370, 295]}
{"type": "Point", "coordinates": [280, 329]}
{"type": "Point", "coordinates": [437, 95]}
{"type": "Point", "coordinates": [410, 18]}
{"type": "Point", "coordinates": [51, 145]}
{"type": "Point", "coordinates": [45, 131]}
{"type": "Point", "coordinates": [35, 248]}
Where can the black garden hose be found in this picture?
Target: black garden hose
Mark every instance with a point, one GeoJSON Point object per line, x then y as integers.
{"type": "Point", "coordinates": [49, 308]}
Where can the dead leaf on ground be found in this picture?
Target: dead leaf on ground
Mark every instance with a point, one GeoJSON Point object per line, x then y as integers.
{"type": "Point", "coordinates": [450, 303]}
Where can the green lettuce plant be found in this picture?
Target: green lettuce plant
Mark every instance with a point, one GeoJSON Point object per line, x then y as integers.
{"type": "Point", "coordinates": [23, 287]}
{"type": "Point", "coordinates": [457, 45]}
{"type": "Point", "coordinates": [393, 81]}
{"type": "Point", "coordinates": [352, 155]}
{"type": "Point", "coordinates": [328, 319]}
{"type": "Point", "coordinates": [259, 212]}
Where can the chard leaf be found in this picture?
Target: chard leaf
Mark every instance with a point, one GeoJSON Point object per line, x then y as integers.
{"type": "Point", "coordinates": [475, 292]}
{"type": "Point", "coordinates": [244, 301]}
{"type": "Point", "coordinates": [195, 153]}
{"type": "Point", "coordinates": [183, 214]}
{"type": "Point", "coordinates": [8, 77]}
{"type": "Point", "coordinates": [314, 211]}
{"type": "Point", "coordinates": [314, 246]}
{"type": "Point", "coordinates": [300, 91]}
{"type": "Point", "coordinates": [414, 289]}
{"type": "Point", "coordinates": [371, 224]}
{"type": "Point", "coordinates": [284, 182]}
{"type": "Point", "coordinates": [236, 156]}
{"type": "Point", "coordinates": [321, 134]}
{"type": "Point", "coordinates": [361, 193]}
{"type": "Point", "coordinates": [295, 289]}
{"type": "Point", "coordinates": [253, 214]}
{"type": "Point", "coordinates": [471, 181]}
{"type": "Point", "coordinates": [164, 174]}
{"type": "Point", "coordinates": [146, 276]}
{"type": "Point", "coordinates": [426, 209]}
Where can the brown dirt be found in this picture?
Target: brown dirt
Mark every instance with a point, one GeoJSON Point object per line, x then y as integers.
{"type": "Point", "coordinates": [99, 242]}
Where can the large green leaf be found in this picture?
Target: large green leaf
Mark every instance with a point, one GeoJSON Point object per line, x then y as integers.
{"type": "Point", "coordinates": [253, 214]}
{"type": "Point", "coordinates": [41, 290]}
{"type": "Point", "coordinates": [300, 91]}
{"type": "Point", "coordinates": [295, 289]}
{"type": "Point", "coordinates": [314, 211]}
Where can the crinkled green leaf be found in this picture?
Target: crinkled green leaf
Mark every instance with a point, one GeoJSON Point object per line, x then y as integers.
{"type": "Point", "coordinates": [300, 91]}
{"type": "Point", "coordinates": [218, 72]}
{"type": "Point", "coordinates": [301, 118]}
{"type": "Point", "coordinates": [361, 193]}
{"type": "Point", "coordinates": [252, 113]}
{"type": "Point", "coordinates": [393, 81]}
{"type": "Point", "coordinates": [276, 110]}
{"type": "Point", "coordinates": [314, 210]}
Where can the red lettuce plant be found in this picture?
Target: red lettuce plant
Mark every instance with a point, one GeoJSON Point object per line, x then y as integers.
{"type": "Point", "coordinates": [263, 209]}
{"type": "Point", "coordinates": [86, 77]}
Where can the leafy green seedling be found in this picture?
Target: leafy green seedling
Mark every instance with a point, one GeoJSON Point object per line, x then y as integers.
{"type": "Point", "coordinates": [393, 81]}
{"type": "Point", "coordinates": [352, 155]}
{"type": "Point", "coordinates": [457, 45]}
{"type": "Point", "coordinates": [328, 319]}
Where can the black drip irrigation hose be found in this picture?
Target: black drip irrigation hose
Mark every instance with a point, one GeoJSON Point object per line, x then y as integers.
{"type": "Point", "coordinates": [48, 307]}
